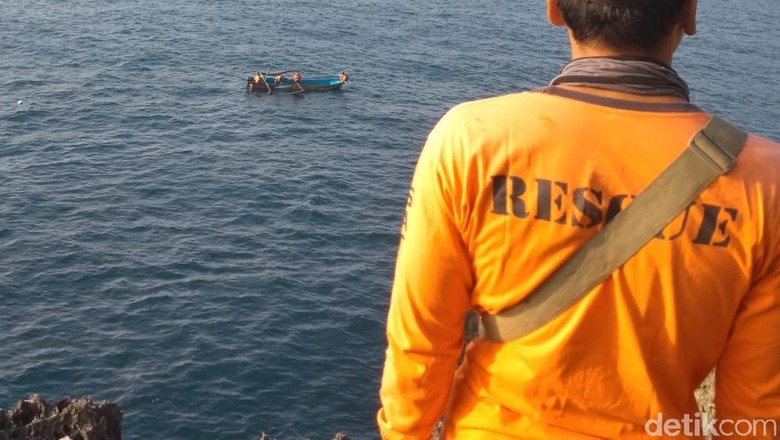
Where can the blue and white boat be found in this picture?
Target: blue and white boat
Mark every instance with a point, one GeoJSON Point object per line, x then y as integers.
{"type": "Point", "coordinates": [291, 81]}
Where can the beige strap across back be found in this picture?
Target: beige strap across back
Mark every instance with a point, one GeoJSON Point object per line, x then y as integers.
{"type": "Point", "coordinates": [710, 153]}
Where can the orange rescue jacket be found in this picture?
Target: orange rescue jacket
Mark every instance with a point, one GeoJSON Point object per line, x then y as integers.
{"type": "Point", "coordinates": [505, 191]}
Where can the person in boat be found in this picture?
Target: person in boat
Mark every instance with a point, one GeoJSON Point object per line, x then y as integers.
{"type": "Point", "coordinates": [506, 189]}
{"type": "Point", "coordinates": [297, 77]}
{"type": "Point", "coordinates": [258, 78]}
{"type": "Point", "coordinates": [278, 79]}
{"type": "Point", "coordinates": [343, 77]}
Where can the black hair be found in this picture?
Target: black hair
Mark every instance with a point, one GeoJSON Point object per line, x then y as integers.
{"type": "Point", "coordinates": [621, 24]}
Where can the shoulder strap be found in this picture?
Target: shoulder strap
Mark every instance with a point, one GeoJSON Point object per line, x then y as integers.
{"type": "Point", "coordinates": [710, 153]}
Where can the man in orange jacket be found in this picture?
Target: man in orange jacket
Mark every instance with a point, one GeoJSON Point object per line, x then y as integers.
{"type": "Point", "coordinates": [507, 189]}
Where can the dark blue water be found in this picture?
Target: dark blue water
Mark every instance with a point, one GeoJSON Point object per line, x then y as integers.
{"type": "Point", "coordinates": [218, 262]}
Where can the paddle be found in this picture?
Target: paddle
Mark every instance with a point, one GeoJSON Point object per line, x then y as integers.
{"type": "Point", "coordinates": [299, 91]}
{"type": "Point", "coordinates": [266, 81]}
{"type": "Point", "coordinates": [298, 83]}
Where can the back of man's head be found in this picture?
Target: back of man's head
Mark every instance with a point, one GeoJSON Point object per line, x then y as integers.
{"type": "Point", "coordinates": [636, 25]}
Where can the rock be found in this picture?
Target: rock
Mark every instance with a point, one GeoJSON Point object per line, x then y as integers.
{"type": "Point", "coordinates": [67, 419]}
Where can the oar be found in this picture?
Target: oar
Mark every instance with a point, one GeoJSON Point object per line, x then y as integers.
{"type": "Point", "coordinates": [266, 81]}
{"type": "Point", "coordinates": [300, 87]}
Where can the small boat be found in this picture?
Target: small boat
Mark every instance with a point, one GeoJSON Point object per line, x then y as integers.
{"type": "Point", "coordinates": [291, 81]}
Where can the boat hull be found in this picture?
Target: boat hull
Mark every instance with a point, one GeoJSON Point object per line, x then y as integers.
{"type": "Point", "coordinates": [290, 86]}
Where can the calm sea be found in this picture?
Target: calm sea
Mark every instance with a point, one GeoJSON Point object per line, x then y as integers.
{"type": "Point", "coordinates": [218, 262]}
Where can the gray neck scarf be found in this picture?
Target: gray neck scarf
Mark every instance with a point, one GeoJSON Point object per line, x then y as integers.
{"type": "Point", "coordinates": [635, 75]}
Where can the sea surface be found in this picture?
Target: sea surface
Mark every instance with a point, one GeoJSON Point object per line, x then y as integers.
{"type": "Point", "coordinates": [219, 262]}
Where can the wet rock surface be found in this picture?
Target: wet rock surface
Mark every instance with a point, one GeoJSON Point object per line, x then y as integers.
{"type": "Point", "coordinates": [66, 419]}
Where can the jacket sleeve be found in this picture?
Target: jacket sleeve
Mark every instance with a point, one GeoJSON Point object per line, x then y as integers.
{"type": "Point", "coordinates": [429, 300]}
{"type": "Point", "coordinates": [748, 373]}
